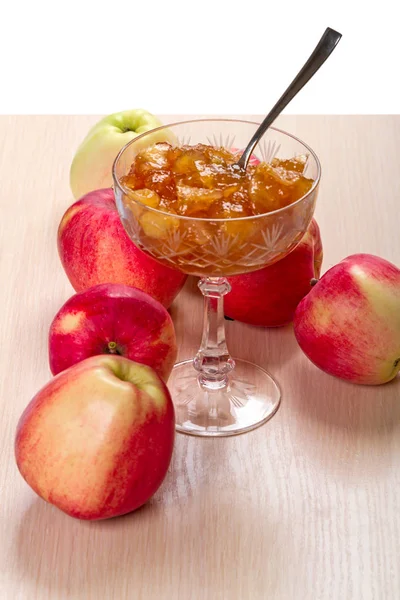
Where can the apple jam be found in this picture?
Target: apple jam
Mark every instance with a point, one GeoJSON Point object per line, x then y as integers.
{"type": "Point", "coordinates": [204, 182]}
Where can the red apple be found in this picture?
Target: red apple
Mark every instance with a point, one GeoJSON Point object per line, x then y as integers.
{"type": "Point", "coordinates": [94, 248]}
{"type": "Point", "coordinates": [113, 319]}
{"type": "Point", "coordinates": [269, 297]}
{"type": "Point", "coordinates": [349, 324]}
{"type": "Point", "coordinates": [97, 440]}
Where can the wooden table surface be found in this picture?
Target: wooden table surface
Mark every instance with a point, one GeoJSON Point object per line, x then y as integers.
{"type": "Point", "coordinates": [306, 507]}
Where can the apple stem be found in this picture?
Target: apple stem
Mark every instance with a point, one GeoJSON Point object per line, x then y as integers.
{"type": "Point", "coordinates": [313, 281]}
{"type": "Point", "coordinates": [112, 348]}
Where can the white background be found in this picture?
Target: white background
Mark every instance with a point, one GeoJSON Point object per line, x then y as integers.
{"type": "Point", "coordinates": [195, 56]}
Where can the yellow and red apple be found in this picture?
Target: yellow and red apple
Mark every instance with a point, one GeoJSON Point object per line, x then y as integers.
{"type": "Point", "coordinates": [94, 248]}
{"type": "Point", "coordinates": [269, 297]}
{"type": "Point", "coordinates": [97, 440]}
{"type": "Point", "coordinates": [349, 323]}
{"type": "Point", "coordinates": [113, 319]}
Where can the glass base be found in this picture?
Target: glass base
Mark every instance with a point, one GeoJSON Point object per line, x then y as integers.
{"type": "Point", "coordinates": [249, 399]}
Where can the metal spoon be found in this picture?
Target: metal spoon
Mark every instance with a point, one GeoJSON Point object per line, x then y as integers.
{"type": "Point", "coordinates": [323, 49]}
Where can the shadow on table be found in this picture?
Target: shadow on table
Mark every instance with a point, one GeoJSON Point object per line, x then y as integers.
{"type": "Point", "coordinates": [269, 347]}
{"type": "Point", "coordinates": [191, 286]}
{"type": "Point", "coordinates": [352, 429]}
{"type": "Point", "coordinates": [191, 537]}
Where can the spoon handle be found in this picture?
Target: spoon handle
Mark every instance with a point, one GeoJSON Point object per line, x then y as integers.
{"type": "Point", "coordinates": [323, 49]}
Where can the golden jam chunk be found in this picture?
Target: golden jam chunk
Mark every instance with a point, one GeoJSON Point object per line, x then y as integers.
{"type": "Point", "coordinates": [205, 182]}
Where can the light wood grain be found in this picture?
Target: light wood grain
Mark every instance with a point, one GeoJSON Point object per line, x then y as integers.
{"type": "Point", "coordinates": [304, 508]}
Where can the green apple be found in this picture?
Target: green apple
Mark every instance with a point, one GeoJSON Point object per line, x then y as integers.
{"type": "Point", "coordinates": [93, 161]}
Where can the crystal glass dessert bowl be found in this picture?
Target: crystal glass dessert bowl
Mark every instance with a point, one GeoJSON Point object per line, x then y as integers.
{"type": "Point", "coordinates": [178, 203]}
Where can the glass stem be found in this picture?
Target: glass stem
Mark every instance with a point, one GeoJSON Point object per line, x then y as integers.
{"type": "Point", "coordinates": [213, 361]}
